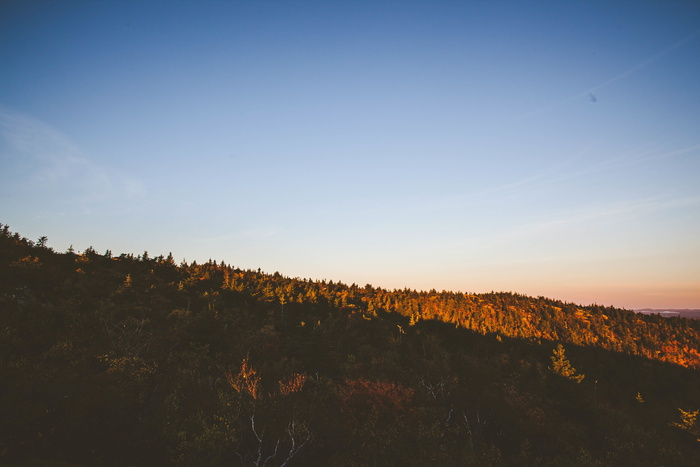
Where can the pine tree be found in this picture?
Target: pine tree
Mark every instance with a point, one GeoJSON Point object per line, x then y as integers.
{"type": "Point", "coordinates": [562, 366]}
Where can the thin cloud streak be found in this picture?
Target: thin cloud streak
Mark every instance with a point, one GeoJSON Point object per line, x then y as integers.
{"type": "Point", "coordinates": [627, 159]}
{"type": "Point", "coordinates": [645, 153]}
{"type": "Point", "coordinates": [671, 154]}
{"type": "Point", "coordinates": [625, 74]}
{"type": "Point", "coordinates": [642, 64]}
{"type": "Point", "coordinates": [585, 215]}
{"type": "Point", "coordinates": [43, 158]}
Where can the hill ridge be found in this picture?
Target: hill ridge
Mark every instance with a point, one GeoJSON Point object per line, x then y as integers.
{"type": "Point", "coordinates": [153, 363]}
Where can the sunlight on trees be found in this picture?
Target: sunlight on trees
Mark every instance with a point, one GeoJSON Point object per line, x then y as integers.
{"type": "Point", "coordinates": [562, 366]}
{"type": "Point", "coordinates": [247, 380]}
{"type": "Point", "coordinates": [689, 422]}
{"type": "Point", "coordinates": [293, 384]}
{"type": "Point", "coordinates": [120, 351]}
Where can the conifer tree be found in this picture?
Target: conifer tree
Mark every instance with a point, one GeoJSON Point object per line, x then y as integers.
{"type": "Point", "coordinates": [562, 366]}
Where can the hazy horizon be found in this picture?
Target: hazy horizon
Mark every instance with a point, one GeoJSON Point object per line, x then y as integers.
{"type": "Point", "coordinates": [545, 149]}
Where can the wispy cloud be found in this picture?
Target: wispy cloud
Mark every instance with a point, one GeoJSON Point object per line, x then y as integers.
{"type": "Point", "coordinates": [668, 155]}
{"type": "Point", "coordinates": [598, 213]}
{"type": "Point", "coordinates": [641, 65]}
{"type": "Point", "coordinates": [564, 173]}
{"type": "Point", "coordinates": [588, 93]}
{"type": "Point", "coordinates": [40, 157]}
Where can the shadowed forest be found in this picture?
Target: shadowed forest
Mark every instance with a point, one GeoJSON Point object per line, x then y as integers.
{"type": "Point", "coordinates": [112, 360]}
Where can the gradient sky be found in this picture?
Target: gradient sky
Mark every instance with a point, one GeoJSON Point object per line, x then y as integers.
{"type": "Point", "coordinates": [546, 148]}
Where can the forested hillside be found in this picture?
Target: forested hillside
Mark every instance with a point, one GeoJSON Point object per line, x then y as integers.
{"type": "Point", "coordinates": [124, 360]}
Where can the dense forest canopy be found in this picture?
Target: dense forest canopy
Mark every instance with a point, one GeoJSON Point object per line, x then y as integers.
{"type": "Point", "coordinates": [138, 360]}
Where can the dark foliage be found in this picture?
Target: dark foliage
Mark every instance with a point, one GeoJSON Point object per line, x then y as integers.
{"type": "Point", "coordinates": [108, 360]}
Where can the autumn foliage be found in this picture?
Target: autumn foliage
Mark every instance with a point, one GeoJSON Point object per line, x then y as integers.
{"type": "Point", "coordinates": [112, 360]}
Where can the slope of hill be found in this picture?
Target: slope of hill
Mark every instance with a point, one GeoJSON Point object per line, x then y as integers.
{"type": "Point", "coordinates": [139, 361]}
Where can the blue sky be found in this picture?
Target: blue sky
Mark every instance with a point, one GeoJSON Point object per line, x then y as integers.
{"type": "Point", "coordinates": [547, 148]}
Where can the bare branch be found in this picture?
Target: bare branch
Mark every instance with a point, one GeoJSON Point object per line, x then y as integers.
{"type": "Point", "coordinates": [272, 456]}
{"type": "Point", "coordinates": [252, 424]}
{"type": "Point", "coordinates": [294, 449]}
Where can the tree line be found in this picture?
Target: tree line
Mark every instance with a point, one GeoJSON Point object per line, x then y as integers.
{"type": "Point", "coordinates": [139, 360]}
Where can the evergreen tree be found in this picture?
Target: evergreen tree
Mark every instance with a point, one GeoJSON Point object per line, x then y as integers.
{"type": "Point", "coordinates": [562, 366]}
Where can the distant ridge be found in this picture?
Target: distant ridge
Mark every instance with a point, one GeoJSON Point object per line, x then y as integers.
{"type": "Point", "coordinates": [671, 312]}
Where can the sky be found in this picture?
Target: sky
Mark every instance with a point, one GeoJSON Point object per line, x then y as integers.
{"type": "Point", "coordinates": [546, 148]}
